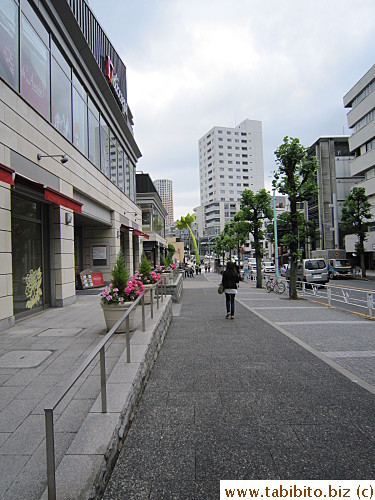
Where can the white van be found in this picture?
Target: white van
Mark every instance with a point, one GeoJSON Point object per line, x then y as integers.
{"type": "Point", "coordinates": [311, 271]}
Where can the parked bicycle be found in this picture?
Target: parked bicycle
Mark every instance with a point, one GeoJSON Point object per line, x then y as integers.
{"type": "Point", "coordinates": [275, 285]}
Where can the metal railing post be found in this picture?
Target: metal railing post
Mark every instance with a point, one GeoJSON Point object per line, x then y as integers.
{"type": "Point", "coordinates": [50, 450]}
{"type": "Point", "coordinates": [143, 313]}
{"type": "Point", "coordinates": [128, 339]}
{"type": "Point", "coordinates": [370, 304]}
{"type": "Point", "coordinates": [103, 385]}
{"type": "Point", "coordinates": [157, 295]}
{"type": "Point", "coordinates": [303, 288]}
{"type": "Point", "coordinates": [329, 295]}
{"type": "Point", "coordinates": [152, 303]}
{"type": "Point", "coordinates": [161, 289]}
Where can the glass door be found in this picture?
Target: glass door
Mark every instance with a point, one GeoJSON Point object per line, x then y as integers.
{"type": "Point", "coordinates": [30, 256]}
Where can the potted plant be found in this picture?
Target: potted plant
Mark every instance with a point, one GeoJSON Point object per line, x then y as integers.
{"type": "Point", "coordinates": [119, 295]}
{"type": "Point", "coordinates": [148, 277]}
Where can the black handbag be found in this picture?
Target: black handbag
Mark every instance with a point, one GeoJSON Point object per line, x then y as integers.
{"type": "Point", "coordinates": [220, 288]}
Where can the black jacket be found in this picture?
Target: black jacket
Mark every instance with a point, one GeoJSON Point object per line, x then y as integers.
{"type": "Point", "coordinates": [230, 280]}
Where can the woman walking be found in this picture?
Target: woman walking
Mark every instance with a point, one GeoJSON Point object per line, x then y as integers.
{"type": "Point", "coordinates": [229, 281]}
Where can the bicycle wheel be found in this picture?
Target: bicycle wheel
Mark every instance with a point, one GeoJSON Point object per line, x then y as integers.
{"type": "Point", "coordinates": [276, 288]}
{"type": "Point", "coordinates": [269, 287]}
{"type": "Point", "coordinates": [281, 287]}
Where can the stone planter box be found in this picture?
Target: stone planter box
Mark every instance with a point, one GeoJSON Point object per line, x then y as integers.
{"type": "Point", "coordinates": [113, 312]}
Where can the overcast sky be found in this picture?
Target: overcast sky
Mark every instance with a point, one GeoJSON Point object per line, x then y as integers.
{"type": "Point", "coordinates": [194, 64]}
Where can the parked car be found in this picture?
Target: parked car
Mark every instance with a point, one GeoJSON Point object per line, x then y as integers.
{"type": "Point", "coordinates": [311, 271]}
{"type": "Point", "coordinates": [268, 267]}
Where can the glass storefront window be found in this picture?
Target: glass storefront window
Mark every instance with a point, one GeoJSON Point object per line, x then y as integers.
{"type": "Point", "coordinates": [146, 221]}
{"type": "Point", "coordinates": [9, 42]}
{"type": "Point", "coordinates": [34, 69]}
{"type": "Point", "coordinates": [113, 157]}
{"type": "Point", "coordinates": [94, 134]}
{"type": "Point", "coordinates": [104, 147]}
{"type": "Point", "coordinates": [131, 181]}
{"type": "Point", "coordinates": [30, 255]}
{"type": "Point", "coordinates": [120, 163]}
{"type": "Point", "coordinates": [61, 89]}
{"type": "Point", "coordinates": [80, 117]}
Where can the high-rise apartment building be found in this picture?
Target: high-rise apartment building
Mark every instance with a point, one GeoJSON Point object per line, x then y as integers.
{"type": "Point", "coordinates": [361, 120]}
{"type": "Point", "coordinates": [230, 161]}
{"type": "Point", "coordinates": [165, 190]}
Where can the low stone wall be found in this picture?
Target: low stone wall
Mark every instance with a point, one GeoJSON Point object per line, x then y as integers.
{"type": "Point", "coordinates": [175, 288]}
{"type": "Point", "coordinates": [160, 330]}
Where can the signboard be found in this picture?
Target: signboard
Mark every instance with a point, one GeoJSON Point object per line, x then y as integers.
{"type": "Point", "coordinates": [88, 279]}
{"type": "Point", "coordinates": [99, 255]}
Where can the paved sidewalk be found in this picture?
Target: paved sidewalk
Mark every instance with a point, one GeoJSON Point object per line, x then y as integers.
{"type": "Point", "coordinates": [264, 396]}
{"type": "Point", "coordinates": [37, 357]}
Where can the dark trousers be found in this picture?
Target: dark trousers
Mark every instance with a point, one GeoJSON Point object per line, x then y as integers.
{"type": "Point", "coordinates": [229, 300]}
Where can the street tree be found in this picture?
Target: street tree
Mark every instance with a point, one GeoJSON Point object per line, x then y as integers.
{"type": "Point", "coordinates": [356, 212]}
{"type": "Point", "coordinates": [255, 210]}
{"type": "Point", "coordinates": [296, 177]}
{"type": "Point", "coordinates": [238, 230]}
{"type": "Point", "coordinates": [307, 229]}
{"type": "Point", "coordinates": [223, 244]}
{"type": "Point", "coordinates": [186, 222]}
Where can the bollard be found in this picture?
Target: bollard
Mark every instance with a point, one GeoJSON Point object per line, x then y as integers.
{"type": "Point", "coordinates": [329, 295]}
{"type": "Point", "coordinates": [152, 303]}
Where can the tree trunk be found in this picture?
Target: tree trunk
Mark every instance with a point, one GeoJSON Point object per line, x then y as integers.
{"type": "Point", "coordinates": [293, 252]}
{"type": "Point", "coordinates": [362, 257]}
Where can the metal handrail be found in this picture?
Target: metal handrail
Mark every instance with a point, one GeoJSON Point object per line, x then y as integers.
{"type": "Point", "coordinates": [99, 349]}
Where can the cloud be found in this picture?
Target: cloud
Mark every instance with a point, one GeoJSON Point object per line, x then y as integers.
{"type": "Point", "coordinates": [193, 65]}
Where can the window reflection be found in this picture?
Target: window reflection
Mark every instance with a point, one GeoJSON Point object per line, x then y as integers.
{"type": "Point", "coordinates": [34, 69]}
{"type": "Point", "coordinates": [94, 134]}
{"type": "Point", "coordinates": [80, 117]}
{"type": "Point", "coordinates": [9, 42]}
{"type": "Point", "coordinates": [104, 147]}
{"type": "Point", "coordinates": [61, 100]}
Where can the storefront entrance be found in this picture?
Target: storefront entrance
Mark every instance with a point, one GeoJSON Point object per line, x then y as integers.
{"type": "Point", "coordinates": [30, 256]}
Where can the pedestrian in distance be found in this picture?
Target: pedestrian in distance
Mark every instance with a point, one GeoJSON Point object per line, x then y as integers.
{"type": "Point", "coordinates": [229, 282]}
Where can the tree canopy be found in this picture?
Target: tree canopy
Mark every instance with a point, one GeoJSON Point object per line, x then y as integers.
{"type": "Point", "coordinates": [297, 178]}
{"type": "Point", "coordinates": [356, 212]}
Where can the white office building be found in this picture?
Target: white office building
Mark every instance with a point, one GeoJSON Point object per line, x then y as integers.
{"type": "Point", "coordinates": [165, 190]}
{"type": "Point", "coordinates": [230, 161]}
{"type": "Point", "coordinates": [361, 119]}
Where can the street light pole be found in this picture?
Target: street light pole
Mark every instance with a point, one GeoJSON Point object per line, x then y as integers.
{"type": "Point", "coordinates": [275, 231]}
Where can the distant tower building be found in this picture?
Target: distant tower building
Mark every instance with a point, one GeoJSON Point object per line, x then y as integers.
{"type": "Point", "coordinates": [230, 161]}
{"type": "Point", "coordinates": [165, 190]}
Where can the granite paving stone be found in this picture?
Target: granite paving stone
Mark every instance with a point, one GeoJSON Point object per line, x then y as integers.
{"type": "Point", "coordinates": [259, 401]}
{"type": "Point", "coordinates": [225, 399]}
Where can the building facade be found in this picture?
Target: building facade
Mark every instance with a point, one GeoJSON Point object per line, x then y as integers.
{"type": "Point", "coordinates": [67, 155]}
{"type": "Point", "coordinates": [334, 182]}
{"type": "Point", "coordinates": [360, 100]}
{"type": "Point", "coordinates": [165, 190]}
{"type": "Point", "coordinates": [154, 214]}
{"type": "Point", "coordinates": [230, 161]}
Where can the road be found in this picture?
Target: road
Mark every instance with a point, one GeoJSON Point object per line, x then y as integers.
{"type": "Point", "coordinates": [350, 295]}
